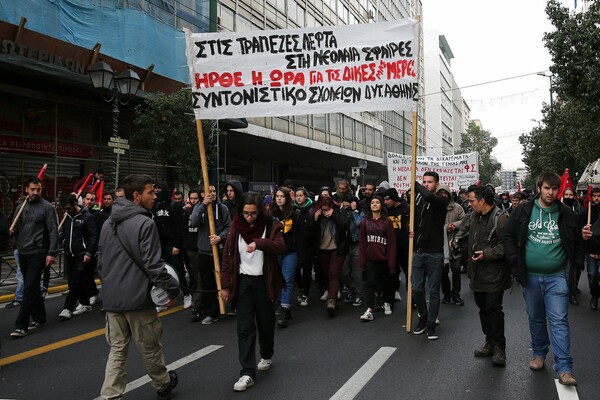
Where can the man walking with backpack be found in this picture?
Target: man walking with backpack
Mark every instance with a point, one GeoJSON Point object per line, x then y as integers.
{"type": "Point", "coordinates": [487, 270]}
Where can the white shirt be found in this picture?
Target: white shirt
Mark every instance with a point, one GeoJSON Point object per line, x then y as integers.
{"type": "Point", "coordinates": [251, 263]}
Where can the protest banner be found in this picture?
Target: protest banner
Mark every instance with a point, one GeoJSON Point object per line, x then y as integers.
{"type": "Point", "coordinates": [347, 68]}
{"type": "Point", "coordinates": [456, 171]}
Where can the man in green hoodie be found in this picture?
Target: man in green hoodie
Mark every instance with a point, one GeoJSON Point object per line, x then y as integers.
{"type": "Point", "coordinates": [543, 243]}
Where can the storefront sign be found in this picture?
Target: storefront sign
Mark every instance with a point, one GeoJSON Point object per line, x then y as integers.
{"type": "Point", "coordinates": [10, 47]}
{"type": "Point", "coordinates": [31, 146]}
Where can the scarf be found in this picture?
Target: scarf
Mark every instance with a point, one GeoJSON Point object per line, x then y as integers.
{"type": "Point", "coordinates": [249, 233]}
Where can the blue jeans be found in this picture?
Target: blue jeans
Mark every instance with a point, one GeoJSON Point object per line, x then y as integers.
{"type": "Point", "coordinates": [547, 299]}
{"type": "Point", "coordinates": [20, 282]}
{"type": "Point", "coordinates": [592, 265]}
{"type": "Point", "coordinates": [288, 263]}
{"type": "Point", "coordinates": [430, 266]}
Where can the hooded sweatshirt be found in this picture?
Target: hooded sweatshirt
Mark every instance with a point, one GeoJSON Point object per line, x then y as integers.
{"type": "Point", "coordinates": [125, 286]}
{"type": "Point", "coordinates": [238, 190]}
{"type": "Point", "coordinates": [544, 251]}
{"type": "Point", "coordinates": [377, 242]}
{"type": "Point", "coordinates": [199, 220]}
{"type": "Point", "coordinates": [37, 229]}
{"type": "Point", "coordinates": [430, 218]}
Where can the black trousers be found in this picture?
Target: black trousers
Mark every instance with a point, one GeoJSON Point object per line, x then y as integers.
{"type": "Point", "coordinates": [491, 317]}
{"type": "Point", "coordinates": [378, 275]}
{"type": "Point", "coordinates": [208, 285]}
{"type": "Point", "coordinates": [78, 275]}
{"type": "Point", "coordinates": [454, 289]}
{"type": "Point", "coordinates": [32, 266]}
{"type": "Point", "coordinates": [254, 310]}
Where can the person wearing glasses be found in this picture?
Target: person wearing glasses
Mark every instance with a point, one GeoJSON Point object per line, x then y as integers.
{"type": "Point", "coordinates": [251, 276]}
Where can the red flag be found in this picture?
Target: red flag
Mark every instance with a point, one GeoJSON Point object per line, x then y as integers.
{"type": "Point", "coordinates": [565, 182]}
{"type": "Point", "coordinates": [100, 194]}
{"type": "Point", "coordinates": [518, 186]}
{"type": "Point", "coordinates": [41, 173]}
{"type": "Point", "coordinates": [94, 187]}
{"type": "Point", "coordinates": [588, 197]}
{"type": "Point", "coordinates": [85, 184]}
{"type": "Point", "coordinates": [173, 194]}
{"type": "Point", "coordinates": [478, 183]}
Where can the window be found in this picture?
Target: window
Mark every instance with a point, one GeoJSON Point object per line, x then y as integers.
{"type": "Point", "coordinates": [334, 124]}
{"type": "Point", "coordinates": [348, 127]}
{"type": "Point", "coordinates": [319, 121]}
{"type": "Point", "coordinates": [226, 18]}
{"type": "Point", "coordinates": [243, 25]}
{"type": "Point", "coordinates": [296, 13]}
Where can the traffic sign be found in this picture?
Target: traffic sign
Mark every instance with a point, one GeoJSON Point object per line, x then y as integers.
{"type": "Point", "coordinates": [119, 151]}
{"type": "Point", "coordinates": [118, 145]}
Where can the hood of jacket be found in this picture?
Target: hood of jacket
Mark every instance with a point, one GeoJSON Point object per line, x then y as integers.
{"type": "Point", "coordinates": [237, 188]}
{"type": "Point", "coordinates": [123, 209]}
{"type": "Point", "coordinates": [447, 190]}
{"type": "Point", "coordinates": [165, 194]}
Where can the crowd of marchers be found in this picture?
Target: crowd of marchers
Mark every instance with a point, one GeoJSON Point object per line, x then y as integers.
{"type": "Point", "coordinates": [279, 252]}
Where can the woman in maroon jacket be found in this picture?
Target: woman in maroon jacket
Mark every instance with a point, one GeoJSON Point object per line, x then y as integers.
{"type": "Point", "coordinates": [250, 274]}
{"type": "Point", "coordinates": [377, 255]}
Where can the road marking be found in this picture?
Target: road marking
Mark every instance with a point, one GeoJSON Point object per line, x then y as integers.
{"type": "Point", "coordinates": [174, 365]}
{"type": "Point", "coordinates": [355, 384]}
{"type": "Point", "coordinates": [66, 342]}
{"type": "Point", "coordinates": [566, 392]}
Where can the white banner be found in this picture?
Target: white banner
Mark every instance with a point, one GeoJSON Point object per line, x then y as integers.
{"type": "Point", "coordinates": [346, 68]}
{"type": "Point", "coordinates": [456, 172]}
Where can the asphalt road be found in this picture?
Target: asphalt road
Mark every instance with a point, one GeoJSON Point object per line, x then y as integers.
{"type": "Point", "coordinates": [315, 357]}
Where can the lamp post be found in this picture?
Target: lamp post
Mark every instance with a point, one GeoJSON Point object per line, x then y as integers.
{"type": "Point", "coordinates": [120, 88]}
{"type": "Point", "coordinates": [538, 122]}
{"type": "Point", "coordinates": [549, 77]}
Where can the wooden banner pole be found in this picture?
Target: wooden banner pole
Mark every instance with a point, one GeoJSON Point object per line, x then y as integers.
{"type": "Point", "coordinates": [14, 223]}
{"type": "Point", "coordinates": [210, 213]}
{"type": "Point", "coordinates": [77, 196]}
{"type": "Point", "coordinates": [411, 223]}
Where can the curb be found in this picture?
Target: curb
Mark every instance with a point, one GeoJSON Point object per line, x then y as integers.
{"type": "Point", "coordinates": [51, 290]}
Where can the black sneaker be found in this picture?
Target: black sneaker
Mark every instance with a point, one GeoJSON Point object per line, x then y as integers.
{"type": "Point", "coordinates": [35, 325]}
{"type": "Point", "coordinates": [445, 300]}
{"type": "Point", "coordinates": [349, 297]}
{"type": "Point", "coordinates": [196, 315]}
{"type": "Point", "coordinates": [358, 302]}
{"type": "Point", "coordinates": [13, 304]}
{"type": "Point", "coordinates": [457, 300]}
{"type": "Point", "coordinates": [421, 326]}
{"type": "Point", "coordinates": [431, 334]}
{"type": "Point", "coordinates": [166, 394]}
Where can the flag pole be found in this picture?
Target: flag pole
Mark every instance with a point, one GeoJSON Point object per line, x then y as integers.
{"type": "Point", "coordinates": [211, 220]}
{"type": "Point", "coordinates": [413, 178]}
{"type": "Point", "coordinates": [40, 176]}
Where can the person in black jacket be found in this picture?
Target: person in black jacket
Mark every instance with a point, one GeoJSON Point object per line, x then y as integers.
{"type": "Point", "coordinates": [592, 260]}
{"type": "Point", "coordinates": [4, 236]}
{"type": "Point", "coordinates": [543, 244]}
{"type": "Point", "coordinates": [428, 255]}
{"type": "Point", "coordinates": [79, 238]}
{"type": "Point", "coordinates": [169, 221]}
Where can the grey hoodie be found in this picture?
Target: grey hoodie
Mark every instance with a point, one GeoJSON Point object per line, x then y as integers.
{"type": "Point", "coordinates": [124, 286]}
{"type": "Point", "coordinates": [199, 219]}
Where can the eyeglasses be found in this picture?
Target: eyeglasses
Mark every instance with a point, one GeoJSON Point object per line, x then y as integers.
{"type": "Point", "coordinates": [249, 214]}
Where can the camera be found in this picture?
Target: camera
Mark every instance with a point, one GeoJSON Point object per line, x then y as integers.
{"type": "Point", "coordinates": [458, 247]}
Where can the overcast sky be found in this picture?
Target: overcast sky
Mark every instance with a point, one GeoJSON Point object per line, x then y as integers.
{"type": "Point", "coordinates": [492, 41]}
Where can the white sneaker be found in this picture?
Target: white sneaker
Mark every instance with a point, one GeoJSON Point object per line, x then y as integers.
{"type": "Point", "coordinates": [243, 383]}
{"type": "Point", "coordinates": [82, 309]}
{"type": "Point", "coordinates": [339, 294]}
{"type": "Point", "coordinates": [397, 296]}
{"type": "Point", "coordinates": [367, 316]}
{"type": "Point", "coordinates": [65, 314]}
{"type": "Point", "coordinates": [387, 309]}
{"type": "Point", "coordinates": [325, 295]}
{"type": "Point", "coordinates": [264, 364]}
{"type": "Point", "coordinates": [304, 301]}
{"type": "Point", "coordinates": [437, 321]}
{"type": "Point", "coordinates": [187, 301]}
{"type": "Point", "coordinates": [93, 300]}
{"type": "Point", "coordinates": [161, 308]}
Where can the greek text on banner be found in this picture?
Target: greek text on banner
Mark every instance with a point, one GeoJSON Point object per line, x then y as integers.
{"type": "Point", "coordinates": [347, 68]}
{"type": "Point", "coordinates": [456, 172]}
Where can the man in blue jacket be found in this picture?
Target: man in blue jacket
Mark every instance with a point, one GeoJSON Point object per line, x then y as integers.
{"type": "Point", "coordinates": [129, 261]}
{"type": "Point", "coordinates": [543, 243]}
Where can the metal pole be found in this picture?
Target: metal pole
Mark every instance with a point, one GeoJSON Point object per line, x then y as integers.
{"type": "Point", "coordinates": [116, 134]}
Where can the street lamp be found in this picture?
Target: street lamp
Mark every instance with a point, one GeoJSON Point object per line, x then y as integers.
{"type": "Point", "coordinates": [549, 77]}
{"type": "Point", "coordinates": [538, 122]}
{"type": "Point", "coordinates": [120, 89]}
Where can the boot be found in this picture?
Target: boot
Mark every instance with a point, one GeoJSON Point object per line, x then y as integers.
{"type": "Point", "coordinates": [282, 322]}
{"type": "Point", "coordinates": [499, 357]}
